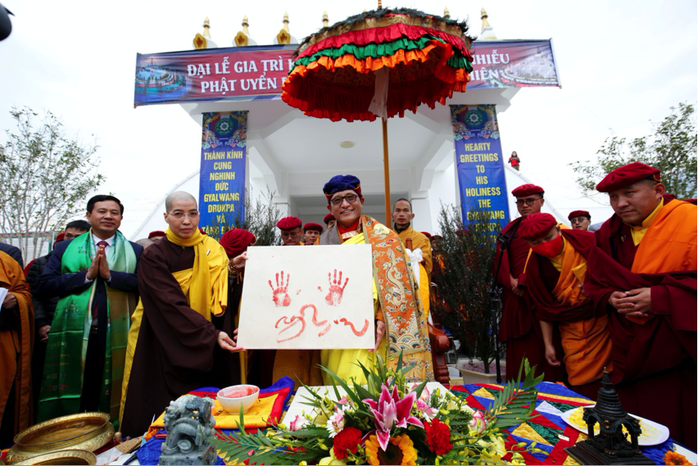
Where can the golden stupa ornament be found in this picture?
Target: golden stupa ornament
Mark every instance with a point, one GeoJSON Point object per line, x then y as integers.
{"type": "Point", "coordinates": [325, 19]}
{"type": "Point", "coordinates": [447, 14]}
{"type": "Point", "coordinates": [284, 36]}
{"type": "Point", "coordinates": [201, 41]}
{"type": "Point", "coordinates": [242, 38]}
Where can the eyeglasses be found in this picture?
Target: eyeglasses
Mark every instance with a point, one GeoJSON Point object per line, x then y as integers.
{"type": "Point", "coordinates": [578, 220]}
{"type": "Point", "coordinates": [182, 215]}
{"type": "Point", "coordinates": [350, 198]}
{"type": "Point", "coordinates": [527, 201]}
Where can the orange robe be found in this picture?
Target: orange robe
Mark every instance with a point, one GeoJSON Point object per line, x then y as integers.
{"type": "Point", "coordinates": [558, 296]}
{"type": "Point", "coordinates": [16, 342]}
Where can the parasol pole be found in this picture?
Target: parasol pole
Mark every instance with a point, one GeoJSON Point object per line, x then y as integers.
{"type": "Point", "coordinates": [386, 171]}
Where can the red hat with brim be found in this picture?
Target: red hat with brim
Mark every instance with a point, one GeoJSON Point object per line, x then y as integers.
{"type": "Point", "coordinates": [627, 175]}
{"type": "Point", "coordinates": [536, 226]}
{"type": "Point", "coordinates": [527, 190]}
{"type": "Point", "coordinates": [236, 241]}
{"type": "Point", "coordinates": [328, 218]}
{"type": "Point", "coordinates": [579, 213]}
{"type": "Point", "coordinates": [289, 223]}
{"type": "Point", "coordinates": [313, 226]}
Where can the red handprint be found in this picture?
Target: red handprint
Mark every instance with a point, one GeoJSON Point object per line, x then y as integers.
{"type": "Point", "coordinates": [280, 293]}
{"type": "Point", "coordinates": [334, 297]}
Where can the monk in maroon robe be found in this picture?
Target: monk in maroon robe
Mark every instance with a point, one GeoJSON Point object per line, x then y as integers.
{"type": "Point", "coordinates": [642, 271]}
{"type": "Point", "coordinates": [553, 279]}
{"type": "Point", "coordinates": [519, 328]}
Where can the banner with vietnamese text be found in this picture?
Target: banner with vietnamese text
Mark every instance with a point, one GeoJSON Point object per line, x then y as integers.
{"type": "Point", "coordinates": [258, 72]}
{"type": "Point", "coordinates": [222, 175]}
{"type": "Point", "coordinates": [480, 166]}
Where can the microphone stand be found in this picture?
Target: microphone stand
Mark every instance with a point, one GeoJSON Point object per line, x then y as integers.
{"type": "Point", "coordinates": [503, 241]}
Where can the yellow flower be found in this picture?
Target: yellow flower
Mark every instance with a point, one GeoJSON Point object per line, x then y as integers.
{"type": "Point", "coordinates": [331, 459]}
{"type": "Point", "coordinates": [400, 451]}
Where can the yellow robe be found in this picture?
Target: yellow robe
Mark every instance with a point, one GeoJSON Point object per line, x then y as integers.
{"type": "Point", "coordinates": [344, 362]}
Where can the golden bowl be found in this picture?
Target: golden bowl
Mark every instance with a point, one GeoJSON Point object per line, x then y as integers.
{"type": "Point", "coordinates": [84, 431]}
{"type": "Point", "coordinates": [63, 457]}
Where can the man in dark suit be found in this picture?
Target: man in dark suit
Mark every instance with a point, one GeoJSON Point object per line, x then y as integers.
{"type": "Point", "coordinates": [95, 277]}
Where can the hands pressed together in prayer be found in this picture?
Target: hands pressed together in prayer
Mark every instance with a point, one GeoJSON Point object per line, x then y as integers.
{"type": "Point", "coordinates": [99, 265]}
{"type": "Point", "coordinates": [632, 303]}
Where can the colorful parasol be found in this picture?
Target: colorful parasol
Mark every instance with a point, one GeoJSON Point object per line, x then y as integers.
{"type": "Point", "coordinates": [379, 63]}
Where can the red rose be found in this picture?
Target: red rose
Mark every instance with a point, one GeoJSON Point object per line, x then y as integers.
{"type": "Point", "coordinates": [438, 437]}
{"type": "Point", "coordinates": [347, 439]}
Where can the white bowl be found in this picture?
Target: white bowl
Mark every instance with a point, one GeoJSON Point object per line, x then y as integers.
{"type": "Point", "coordinates": [238, 398]}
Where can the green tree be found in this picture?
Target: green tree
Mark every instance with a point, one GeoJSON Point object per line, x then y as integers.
{"type": "Point", "coordinates": [463, 266]}
{"type": "Point", "coordinates": [260, 220]}
{"type": "Point", "coordinates": [45, 177]}
{"type": "Point", "coordinates": [671, 149]}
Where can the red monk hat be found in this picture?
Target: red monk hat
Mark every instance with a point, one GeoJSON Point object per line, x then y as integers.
{"type": "Point", "coordinates": [289, 223]}
{"type": "Point", "coordinates": [427, 234]}
{"type": "Point", "coordinates": [328, 218]}
{"type": "Point", "coordinates": [527, 190]}
{"type": "Point", "coordinates": [536, 226]}
{"type": "Point", "coordinates": [579, 213]}
{"type": "Point", "coordinates": [236, 241]}
{"type": "Point", "coordinates": [156, 233]}
{"type": "Point", "coordinates": [60, 237]}
{"type": "Point", "coordinates": [313, 226]}
{"type": "Point", "coordinates": [627, 175]}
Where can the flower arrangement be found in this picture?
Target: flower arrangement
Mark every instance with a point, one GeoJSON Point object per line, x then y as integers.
{"type": "Point", "coordinates": [388, 421]}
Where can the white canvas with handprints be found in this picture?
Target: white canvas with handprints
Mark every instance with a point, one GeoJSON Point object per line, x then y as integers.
{"type": "Point", "coordinates": [307, 297]}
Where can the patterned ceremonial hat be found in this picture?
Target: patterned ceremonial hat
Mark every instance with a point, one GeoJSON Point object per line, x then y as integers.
{"type": "Point", "coordinates": [341, 183]}
{"type": "Point", "coordinates": [627, 175]}
{"type": "Point", "coordinates": [536, 226]}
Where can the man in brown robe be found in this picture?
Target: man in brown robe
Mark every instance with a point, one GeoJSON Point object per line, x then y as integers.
{"type": "Point", "coordinates": [183, 281]}
{"type": "Point", "coordinates": [642, 271]}
{"type": "Point", "coordinates": [519, 328]}
{"type": "Point", "coordinates": [16, 339]}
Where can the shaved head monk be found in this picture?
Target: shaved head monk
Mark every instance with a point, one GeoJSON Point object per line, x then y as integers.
{"type": "Point", "coordinates": [183, 281]}
{"type": "Point", "coordinates": [642, 272]}
{"type": "Point", "coordinates": [519, 328]}
{"type": "Point", "coordinates": [553, 278]}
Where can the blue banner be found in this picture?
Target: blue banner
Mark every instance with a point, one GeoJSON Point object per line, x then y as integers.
{"type": "Point", "coordinates": [480, 165]}
{"type": "Point", "coordinates": [222, 178]}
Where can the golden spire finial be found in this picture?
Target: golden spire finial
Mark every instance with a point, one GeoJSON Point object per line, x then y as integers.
{"type": "Point", "coordinates": [325, 19]}
{"type": "Point", "coordinates": [447, 14]}
{"type": "Point", "coordinates": [207, 26]}
{"type": "Point", "coordinates": [242, 38]}
{"type": "Point", "coordinates": [284, 36]}
{"type": "Point", "coordinates": [483, 17]}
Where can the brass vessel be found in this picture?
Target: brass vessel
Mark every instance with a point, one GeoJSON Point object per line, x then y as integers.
{"type": "Point", "coordinates": [84, 431]}
{"type": "Point", "coordinates": [63, 457]}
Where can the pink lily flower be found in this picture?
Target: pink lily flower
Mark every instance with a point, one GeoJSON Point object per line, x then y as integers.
{"type": "Point", "coordinates": [392, 411]}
